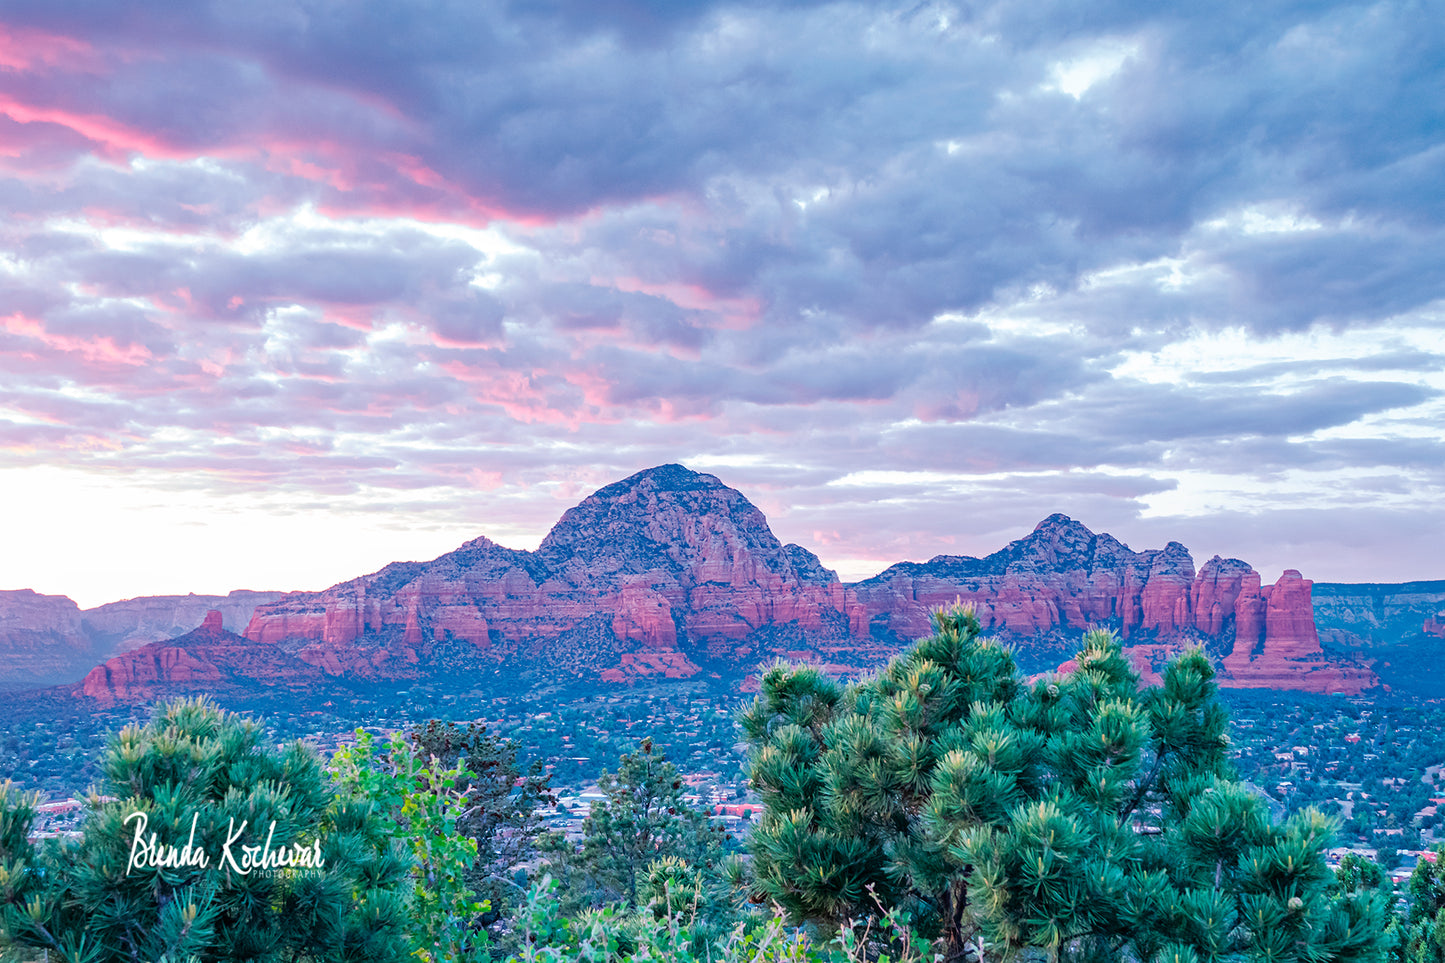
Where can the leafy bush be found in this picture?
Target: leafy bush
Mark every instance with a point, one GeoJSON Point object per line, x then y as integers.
{"type": "Point", "coordinates": [613, 935]}
{"type": "Point", "coordinates": [499, 800]}
{"type": "Point", "coordinates": [422, 804]}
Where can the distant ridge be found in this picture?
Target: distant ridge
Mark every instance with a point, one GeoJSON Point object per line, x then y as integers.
{"type": "Point", "coordinates": [47, 639]}
{"type": "Point", "coordinates": [670, 573]}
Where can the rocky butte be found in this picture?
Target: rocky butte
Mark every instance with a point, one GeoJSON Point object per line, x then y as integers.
{"type": "Point", "coordinates": [208, 659]}
{"type": "Point", "coordinates": [670, 573]}
{"type": "Point", "coordinates": [1061, 578]}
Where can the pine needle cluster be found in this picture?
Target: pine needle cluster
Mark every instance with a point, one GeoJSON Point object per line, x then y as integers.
{"type": "Point", "coordinates": [88, 901]}
{"type": "Point", "coordinates": [1079, 816]}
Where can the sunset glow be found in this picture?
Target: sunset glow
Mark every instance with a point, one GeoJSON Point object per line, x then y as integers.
{"type": "Point", "coordinates": [291, 291]}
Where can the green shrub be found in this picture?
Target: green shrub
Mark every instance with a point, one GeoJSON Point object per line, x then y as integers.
{"type": "Point", "coordinates": [197, 775]}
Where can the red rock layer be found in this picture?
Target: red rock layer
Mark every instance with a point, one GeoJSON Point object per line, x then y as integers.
{"type": "Point", "coordinates": [670, 571]}
{"type": "Point", "coordinates": [1275, 646]}
{"type": "Point", "coordinates": [47, 639]}
{"type": "Point", "coordinates": [1063, 578]}
{"type": "Point", "coordinates": [209, 659]}
{"type": "Point", "coordinates": [673, 560]}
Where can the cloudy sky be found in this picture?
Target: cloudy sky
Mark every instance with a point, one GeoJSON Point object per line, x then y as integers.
{"type": "Point", "coordinates": [293, 288]}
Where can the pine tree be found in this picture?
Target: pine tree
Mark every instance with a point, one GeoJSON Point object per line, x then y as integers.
{"type": "Point", "coordinates": [642, 819]}
{"type": "Point", "coordinates": [194, 765]}
{"type": "Point", "coordinates": [500, 804]}
{"type": "Point", "coordinates": [1079, 815]}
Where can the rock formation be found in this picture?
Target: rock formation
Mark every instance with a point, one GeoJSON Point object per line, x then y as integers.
{"type": "Point", "coordinates": [208, 659]}
{"type": "Point", "coordinates": [1398, 627]}
{"type": "Point", "coordinates": [1356, 617]}
{"type": "Point", "coordinates": [41, 639]}
{"type": "Point", "coordinates": [654, 574]}
{"type": "Point", "coordinates": [1054, 583]}
{"type": "Point", "coordinates": [670, 573]}
{"type": "Point", "coordinates": [1062, 578]}
{"type": "Point", "coordinates": [119, 627]}
{"type": "Point", "coordinates": [47, 639]}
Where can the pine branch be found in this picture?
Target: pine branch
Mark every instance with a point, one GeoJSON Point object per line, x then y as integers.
{"type": "Point", "coordinates": [1144, 787]}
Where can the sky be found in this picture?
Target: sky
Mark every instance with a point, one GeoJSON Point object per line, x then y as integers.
{"type": "Point", "coordinates": [290, 289]}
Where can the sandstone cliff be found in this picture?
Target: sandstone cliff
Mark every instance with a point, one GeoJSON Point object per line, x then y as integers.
{"type": "Point", "coordinates": [1062, 578]}
{"type": "Point", "coordinates": [47, 639]}
{"type": "Point", "coordinates": [1400, 628]}
{"type": "Point", "coordinates": [654, 574]}
{"type": "Point", "coordinates": [118, 627]}
{"type": "Point", "coordinates": [208, 659]}
{"type": "Point", "coordinates": [1054, 583]}
{"type": "Point", "coordinates": [670, 573]}
{"type": "Point", "coordinates": [1365, 616]}
{"type": "Point", "coordinates": [41, 639]}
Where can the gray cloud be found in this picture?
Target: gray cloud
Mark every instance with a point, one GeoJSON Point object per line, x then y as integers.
{"type": "Point", "coordinates": [793, 242]}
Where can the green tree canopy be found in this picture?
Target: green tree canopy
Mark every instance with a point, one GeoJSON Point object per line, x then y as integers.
{"type": "Point", "coordinates": [1078, 814]}
{"type": "Point", "coordinates": [1422, 931]}
{"type": "Point", "coordinates": [194, 765]}
{"type": "Point", "coordinates": [641, 819]}
{"type": "Point", "coordinates": [499, 801]}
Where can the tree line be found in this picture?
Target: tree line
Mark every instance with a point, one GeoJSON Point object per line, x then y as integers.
{"type": "Point", "coordinates": [945, 808]}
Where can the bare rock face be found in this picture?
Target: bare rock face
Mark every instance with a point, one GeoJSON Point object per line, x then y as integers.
{"type": "Point", "coordinates": [1062, 578]}
{"type": "Point", "coordinates": [48, 639]}
{"type": "Point", "coordinates": [1057, 581]}
{"type": "Point", "coordinates": [658, 572]}
{"type": "Point", "coordinates": [1274, 645]}
{"type": "Point", "coordinates": [1276, 642]}
{"type": "Point", "coordinates": [670, 573]}
{"type": "Point", "coordinates": [1216, 592]}
{"type": "Point", "coordinates": [208, 659]}
{"type": "Point", "coordinates": [119, 627]}
{"type": "Point", "coordinates": [1364, 616]}
{"type": "Point", "coordinates": [42, 640]}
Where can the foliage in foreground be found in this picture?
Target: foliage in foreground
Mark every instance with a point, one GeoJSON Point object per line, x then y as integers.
{"type": "Point", "coordinates": [419, 805]}
{"type": "Point", "coordinates": [1077, 815]}
{"type": "Point", "coordinates": [644, 847]}
{"type": "Point", "coordinates": [663, 931]}
{"type": "Point", "coordinates": [498, 802]}
{"type": "Point", "coordinates": [194, 765]}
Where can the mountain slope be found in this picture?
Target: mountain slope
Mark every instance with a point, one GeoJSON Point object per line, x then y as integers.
{"type": "Point", "coordinates": [47, 639]}
{"type": "Point", "coordinates": [652, 574]}
{"type": "Point", "coordinates": [207, 659]}
{"type": "Point", "coordinates": [671, 573]}
{"type": "Point", "coordinates": [41, 639]}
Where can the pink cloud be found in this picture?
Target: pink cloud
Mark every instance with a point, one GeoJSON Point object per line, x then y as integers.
{"type": "Point", "coordinates": [515, 392]}
{"type": "Point", "coordinates": [739, 313]}
{"type": "Point", "coordinates": [103, 351]}
{"type": "Point", "coordinates": [25, 50]}
{"type": "Point", "coordinates": [114, 139]}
